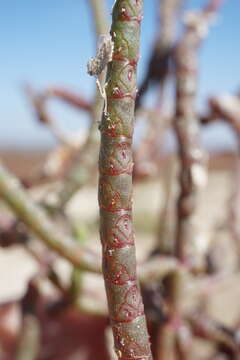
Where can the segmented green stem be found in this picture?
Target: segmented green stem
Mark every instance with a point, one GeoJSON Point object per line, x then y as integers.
{"type": "Point", "coordinates": [115, 187]}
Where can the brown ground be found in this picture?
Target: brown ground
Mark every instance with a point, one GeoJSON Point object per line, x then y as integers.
{"type": "Point", "coordinates": [22, 162]}
{"type": "Point", "coordinates": [63, 333]}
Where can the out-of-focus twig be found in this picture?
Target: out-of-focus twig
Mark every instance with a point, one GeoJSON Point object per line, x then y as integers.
{"type": "Point", "coordinates": [99, 11]}
{"type": "Point", "coordinates": [191, 155]}
{"type": "Point", "coordinates": [157, 268]}
{"type": "Point", "coordinates": [166, 342]}
{"type": "Point", "coordinates": [167, 219]}
{"type": "Point", "coordinates": [234, 206]}
{"type": "Point", "coordinates": [159, 63]}
{"type": "Point", "coordinates": [38, 222]}
{"type": "Point", "coordinates": [60, 159]}
{"type": "Point", "coordinates": [29, 342]}
{"type": "Point", "coordinates": [85, 162]}
{"type": "Point", "coordinates": [209, 329]}
{"type": "Point", "coordinates": [75, 162]}
{"type": "Point", "coordinates": [147, 153]}
{"type": "Point", "coordinates": [84, 165]}
{"type": "Point", "coordinates": [39, 102]}
{"type": "Point", "coordinates": [79, 102]}
{"type": "Point", "coordinates": [183, 342]}
{"type": "Point", "coordinates": [12, 233]}
{"type": "Point", "coordinates": [227, 108]}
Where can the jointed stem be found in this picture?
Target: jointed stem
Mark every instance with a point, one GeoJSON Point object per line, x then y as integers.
{"type": "Point", "coordinates": [115, 187]}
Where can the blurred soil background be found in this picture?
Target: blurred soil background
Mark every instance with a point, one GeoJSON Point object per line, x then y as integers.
{"type": "Point", "coordinates": [17, 267]}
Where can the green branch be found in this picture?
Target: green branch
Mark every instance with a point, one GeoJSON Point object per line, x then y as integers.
{"type": "Point", "coordinates": [115, 187]}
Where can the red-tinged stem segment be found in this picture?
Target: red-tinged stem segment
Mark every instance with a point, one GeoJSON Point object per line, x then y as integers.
{"type": "Point", "coordinates": [115, 187]}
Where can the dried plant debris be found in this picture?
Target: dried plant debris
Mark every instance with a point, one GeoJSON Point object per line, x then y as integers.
{"type": "Point", "coordinates": [97, 64]}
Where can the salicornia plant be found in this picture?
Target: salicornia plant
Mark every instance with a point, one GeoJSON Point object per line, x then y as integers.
{"type": "Point", "coordinates": [115, 184]}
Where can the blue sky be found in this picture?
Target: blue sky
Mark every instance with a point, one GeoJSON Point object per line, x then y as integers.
{"type": "Point", "coordinates": [49, 42]}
